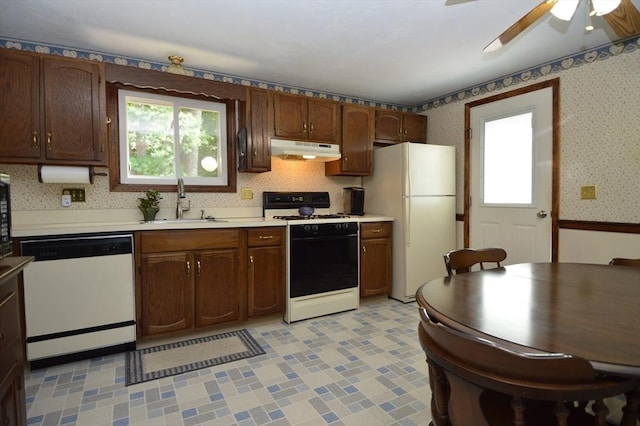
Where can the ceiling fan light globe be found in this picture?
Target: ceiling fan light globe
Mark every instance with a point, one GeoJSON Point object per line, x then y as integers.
{"type": "Point", "coordinates": [602, 7]}
{"type": "Point", "coordinates": [564, 9]}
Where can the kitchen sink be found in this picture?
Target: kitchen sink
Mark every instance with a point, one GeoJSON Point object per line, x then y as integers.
{"type": "Point", "coordinates": [209, 219]}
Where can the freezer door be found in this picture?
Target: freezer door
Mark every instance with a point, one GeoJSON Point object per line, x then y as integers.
{"type": "Point", "coordinates": [427, 233]}
{"type": "Point", "coordinates": [430, 169]}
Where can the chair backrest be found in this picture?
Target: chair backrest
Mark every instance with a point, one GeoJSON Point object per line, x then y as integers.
{"type": "Point", "coordinates": [486, 361]}
{"type": "Point", "coordinates": [624, 262]}
{"type": "Point", "coordinates": [467, 374]}
{"type": "Point", "coordinates": [462, 260]}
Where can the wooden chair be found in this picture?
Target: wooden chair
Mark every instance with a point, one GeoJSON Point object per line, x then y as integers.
{"type": "Point", "coordinates": [462, 260]}
{"type": "Point", "coordinates": [481, 383]}
{"type": "Point", "coordinates": [624, 262]}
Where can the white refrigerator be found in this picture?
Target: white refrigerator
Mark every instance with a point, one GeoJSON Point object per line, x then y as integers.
{"type": "Point", "coordinates": [416, 184]}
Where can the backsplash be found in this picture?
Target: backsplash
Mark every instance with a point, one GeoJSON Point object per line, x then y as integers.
{"type": "Point", "coordinates": [28, 194]}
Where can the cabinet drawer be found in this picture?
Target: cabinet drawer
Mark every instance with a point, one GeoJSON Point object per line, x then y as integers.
{"type": "Point", "coordinates": [375, 229]}
{"type": "Point", "coordinates": [270, 236]}
{"type": "Point", "coordinates": [165, 241]}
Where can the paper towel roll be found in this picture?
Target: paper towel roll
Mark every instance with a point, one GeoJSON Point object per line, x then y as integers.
{"type": "Point", "coordinates": [64, 174]}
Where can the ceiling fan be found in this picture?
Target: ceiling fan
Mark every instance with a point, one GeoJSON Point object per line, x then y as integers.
{"type": "Point", "coordinates": [621, 15]}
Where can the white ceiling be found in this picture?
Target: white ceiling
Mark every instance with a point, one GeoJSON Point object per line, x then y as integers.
{"type": "Point", "coordinates": [394, 51]}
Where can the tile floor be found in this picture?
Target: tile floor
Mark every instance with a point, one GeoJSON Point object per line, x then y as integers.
{"type": "Point", "coordinates": [362, 367]}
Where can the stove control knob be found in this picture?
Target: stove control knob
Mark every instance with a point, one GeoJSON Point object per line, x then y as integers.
{"type": "Point", "coordinates": [314, 228]}
{"type": "Point", "coordinates": [307, 228]}
{"type": "Point", "coordinates": [338, 226]}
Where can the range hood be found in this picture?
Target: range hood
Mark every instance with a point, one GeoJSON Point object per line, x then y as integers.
{"type": "Point", "coordinates": [309, 151]}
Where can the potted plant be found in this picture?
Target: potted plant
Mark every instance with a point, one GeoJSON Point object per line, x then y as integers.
{"type": "Point", "coordinates": [148, 204]}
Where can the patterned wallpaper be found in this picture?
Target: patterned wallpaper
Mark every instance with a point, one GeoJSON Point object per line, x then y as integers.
{"type": "Point", "coordinates": [285, 175]}
{"type": "Point", "coordinates": [600, 139]}
{"type": "Point", "coordinates": [600, 135]}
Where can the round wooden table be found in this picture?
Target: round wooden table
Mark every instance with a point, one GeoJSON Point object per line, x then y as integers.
{"type": "Point", "coordinates": [590, 311]}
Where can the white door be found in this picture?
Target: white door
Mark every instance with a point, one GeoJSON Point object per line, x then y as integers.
{"type": "Point", "coordinates": [511, 181]}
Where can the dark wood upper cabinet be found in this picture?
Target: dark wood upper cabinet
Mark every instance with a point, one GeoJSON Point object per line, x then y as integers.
{"type": "Point", "coordinates": [254, 144]}
{"type": "Point", "coordinates": [299, 117]}
{"type": "Point", "coordinates": [357, 143]}
{"type": "Point", "coordinates": [53, 110]}
{"type": "Point", "coordinates": [396, 127]}
{"type": "Point", "coordinates": [19, 107]}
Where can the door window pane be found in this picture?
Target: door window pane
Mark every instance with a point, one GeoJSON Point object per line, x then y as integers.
{"type": "Point", "coordinates": [508, 160]}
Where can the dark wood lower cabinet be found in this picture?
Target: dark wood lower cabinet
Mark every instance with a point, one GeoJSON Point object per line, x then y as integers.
{"type": "Point", "coordinates": [217, 296]}
{"type": "Point", "coordinates": [197, 278]}
{"type": "Point", "coordinates": [266, 273]}
{"type": "Point", "coordinates": [189, 278]}
{"type": "Point", "coordinates": [375, 258]}
{"type": "Point", "coordinates": [12, 395]}
{"type": "Point", "coordinates": [167, 293]}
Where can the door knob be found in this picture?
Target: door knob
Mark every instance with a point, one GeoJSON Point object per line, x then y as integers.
{"type": "Point", "coordinates": [542, 214]}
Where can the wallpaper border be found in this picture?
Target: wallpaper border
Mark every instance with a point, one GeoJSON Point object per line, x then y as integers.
{"type": "Point", "coordinates": [600, 53]}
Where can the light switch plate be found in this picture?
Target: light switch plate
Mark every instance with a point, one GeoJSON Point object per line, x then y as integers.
{"type": "Point", "coordinates": [588, 192]}
{"type": "Point", "coordinates": [246, 194]}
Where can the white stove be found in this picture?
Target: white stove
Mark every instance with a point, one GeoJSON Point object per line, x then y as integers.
{"type": "Point", "coordinates": [322, 254]}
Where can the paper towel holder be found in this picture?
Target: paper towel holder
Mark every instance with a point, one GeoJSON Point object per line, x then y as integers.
{"type": "Point", "coordinates": [90, 173]}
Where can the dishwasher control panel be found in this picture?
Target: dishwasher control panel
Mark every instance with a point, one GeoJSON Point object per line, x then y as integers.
{"type": "Point", "coordinates": [76, 247]}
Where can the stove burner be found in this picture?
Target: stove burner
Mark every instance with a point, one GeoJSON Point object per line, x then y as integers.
{"type": "Point", "coordinates": [313, 216]}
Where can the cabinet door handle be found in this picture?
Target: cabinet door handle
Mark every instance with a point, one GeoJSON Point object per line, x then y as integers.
{"type": "Point", "coordinates": [188, 268]}
{"type": "Point", "coordinates": [265, 237]}
{"type": "Point", "coordinates": [251, 262]}
{"type": "Point", "coordinates": [3, 336]}
{"type": "Point", "coordinates": [311, 127]}
{"type": "Point", "coordinates": [255, 153]}
{"type": "Point", "coordinates": [49, 141]}
{"type": "Point", "coordinates": [304, 126]}
{"type": "Point", "coordinates": [364, 250]}
{"type": "Point", "coordinates": [35, 139]}
{"type": "Point", "coordinates": [198, 267]}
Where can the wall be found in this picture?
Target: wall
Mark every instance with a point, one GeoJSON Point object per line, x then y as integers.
{"type": "Point", "coordinates": [35, 201]}
{"type": "Point", "coordinates": [600, 145]}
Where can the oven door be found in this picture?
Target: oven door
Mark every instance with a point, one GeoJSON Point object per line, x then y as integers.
{"type": "Point", "coordinates": [323, 263]}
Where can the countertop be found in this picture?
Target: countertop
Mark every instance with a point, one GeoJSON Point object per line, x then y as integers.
{"type": "Point", "coordinates": [10, 266]}
{"type": "Point", "coordinates": [33, 230]}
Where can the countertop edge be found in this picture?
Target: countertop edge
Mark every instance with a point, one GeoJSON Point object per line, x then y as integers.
{"type": "Point", "coordinates": [26, 231]}
{"type": "Point", "coordinates": [12, 265]}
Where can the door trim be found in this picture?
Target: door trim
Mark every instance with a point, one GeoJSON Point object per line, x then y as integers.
{"type": "Point", "coordinates": [555, 167]}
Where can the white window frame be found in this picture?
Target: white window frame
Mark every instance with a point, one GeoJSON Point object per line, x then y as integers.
{"type": "Point", "coordinates": [177, 102]}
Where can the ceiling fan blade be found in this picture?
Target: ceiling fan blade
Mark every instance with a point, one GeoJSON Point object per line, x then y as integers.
{"type": "Point", "coordinates": [521, 25]}
{"type": "Point", "coordinates": [624, 20]}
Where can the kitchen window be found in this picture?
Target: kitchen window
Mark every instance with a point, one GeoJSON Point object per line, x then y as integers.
{"type": "Point", "coordinates": [163, 138]}
{"type": "Point", "coordinates": [170, 160]}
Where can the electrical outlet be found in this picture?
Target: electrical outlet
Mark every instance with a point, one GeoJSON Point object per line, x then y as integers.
{"type": "Point", "coordinates": [588, 192]}
{"type": "Point", "coordinates": [246, 193]}
{"type": "Point", "coordinates": [77, 194]}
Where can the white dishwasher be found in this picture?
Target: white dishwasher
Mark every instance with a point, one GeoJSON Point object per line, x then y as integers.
{"type": "Point", "coordinates": [78, 297]}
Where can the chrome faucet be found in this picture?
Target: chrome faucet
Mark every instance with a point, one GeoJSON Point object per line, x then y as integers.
{"type": "Point", "coordinates": [180, 209]}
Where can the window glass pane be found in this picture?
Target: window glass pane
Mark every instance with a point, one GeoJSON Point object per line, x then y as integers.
{"type": "Point", "coordinates": [150, 139]}
{"type": "Point", "coordinates": [508, 160]}
{"type": "Point", "coordinates": [166, 137]}
{"type": "Point", "coordinates": [199, 142]}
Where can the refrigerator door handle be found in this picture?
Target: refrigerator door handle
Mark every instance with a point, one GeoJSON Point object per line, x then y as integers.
{"type": "Point", "coordinates": [407, 219]}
